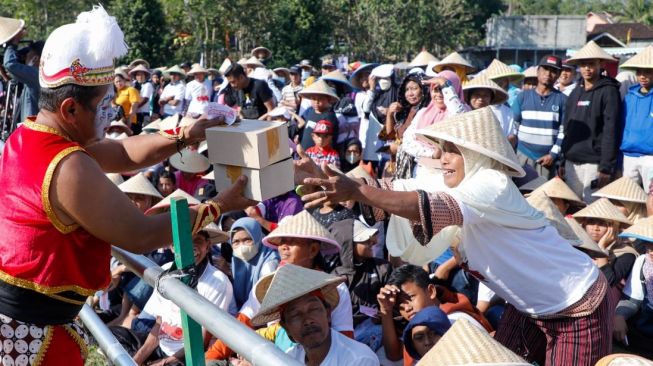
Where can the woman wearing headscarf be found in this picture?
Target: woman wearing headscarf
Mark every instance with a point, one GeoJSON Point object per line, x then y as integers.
{"type": "Point", "coordinates": [558, 311]}
{"type": "Point", "coordinates": [251, 259]}
{"type": "Point", "coordinates": [445, 99]}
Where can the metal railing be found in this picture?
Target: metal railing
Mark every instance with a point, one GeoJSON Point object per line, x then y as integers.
{"type": "Point", "coordinates": [218, 322]}
{"type": "Point", "coordinates": [112, 349]}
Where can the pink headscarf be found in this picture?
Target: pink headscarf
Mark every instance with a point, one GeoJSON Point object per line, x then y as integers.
{"type": "Point", "coordinates": [433, 113]}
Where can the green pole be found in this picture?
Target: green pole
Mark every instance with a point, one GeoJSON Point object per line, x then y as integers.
{"type": "Point", "coordinates": [183, 244]}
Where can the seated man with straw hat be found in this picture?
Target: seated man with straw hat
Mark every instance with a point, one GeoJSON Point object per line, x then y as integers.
{"type": "Point", "coordinates": [171, 99]}
{"type": "Point", "coordinates": [302, 300]}
{"type": "Point", "coordinates": [58, 201]}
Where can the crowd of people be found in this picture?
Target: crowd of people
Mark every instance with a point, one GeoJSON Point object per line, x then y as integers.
{"type": "Point", "coordinates": [443, 214]}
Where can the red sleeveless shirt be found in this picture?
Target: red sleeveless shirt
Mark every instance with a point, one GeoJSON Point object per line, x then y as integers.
{"type": "Point", "coordinates": [38, 251]}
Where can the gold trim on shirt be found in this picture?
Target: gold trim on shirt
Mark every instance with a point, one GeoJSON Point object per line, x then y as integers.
{"type": "Point", "coordinates": [45, 191]}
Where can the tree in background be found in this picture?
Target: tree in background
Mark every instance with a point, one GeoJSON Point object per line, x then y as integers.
{"type": "Point", "coordinates": [144, 25]}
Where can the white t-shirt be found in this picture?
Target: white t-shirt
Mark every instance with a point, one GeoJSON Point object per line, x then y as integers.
{"type": "Point", "coordinates": [213, 285]}
{"type": "Point", "coordinates": [536, 276]}
{"type": "Point", "coordinates": [146, 92]}
{"type": "Point", "coordinates": [341, 317]}
{"type": "Point", "coordinates": [634, 287]}
{"type": "Point", "coordinates": [177, 91]}
{"type": "Point", "coordinates": [506, 120]}
{"type": "Point", "coordinates": [343, 351]}
{"type": "Point", "coordinates": [195, 89]}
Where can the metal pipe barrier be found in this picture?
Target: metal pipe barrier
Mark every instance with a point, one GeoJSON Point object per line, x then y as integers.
{"type": "Point", "coordinates": [112, 349]}
{"type": "Point", "coordinates": [218, 322]}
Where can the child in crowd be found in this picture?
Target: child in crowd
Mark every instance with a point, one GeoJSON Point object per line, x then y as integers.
{"type": "Point", "coordinates": [425, 330]}
{"type": "Point", "coordinates": [322, 151]}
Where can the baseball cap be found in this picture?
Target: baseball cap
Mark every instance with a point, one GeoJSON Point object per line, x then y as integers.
{"type": "Point", "coordinates": [295, 70]}
{"type": "Point", "coordinates": [323, 126]}
{"type": "Point", "coordinates": [567, 65]}
{"type": "Point", "coordinates": [551, 61]}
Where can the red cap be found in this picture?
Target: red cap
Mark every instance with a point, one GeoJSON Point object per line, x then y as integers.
{"type": "Point", "coordinates": [324, 127]}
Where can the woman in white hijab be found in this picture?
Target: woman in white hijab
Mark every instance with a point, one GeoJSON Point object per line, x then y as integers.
{"type": "Point", "coordinates": [558, 313]}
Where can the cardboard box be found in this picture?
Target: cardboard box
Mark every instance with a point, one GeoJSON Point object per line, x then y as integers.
{"type": "Point", "coordinates": [271, 181]}
{"type": "Point", "coordinates": [249, 144]}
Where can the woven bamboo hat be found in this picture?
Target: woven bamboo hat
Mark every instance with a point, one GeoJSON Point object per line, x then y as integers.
{"type": "Point", "coordinates": [499, 96]}
{"type": "Point", "coordinates": [253, 61]}
{"type": "Point", "coordinates": [115, 178]}
{"type": "Point", "coordinates": [540, 201]}
{"type": "Point", "coordinates": [642, 60]}
{"type": "Point", "coordinates": [466, 344]}
{"type": "Point", "coordinates": [338, 77]}
{"type": "Point", "coordinates": [498, 70]}
{"type": "Point", "coordinates": [623, 189]}
{"type": "Point", "coordinates": [197, 69]}
{"type": "Point", "coordinates": [189, 161]}
{"type": "Point", "coordinates": [264, 52]}
{"type": "Point", "coordinates": [557, 188]}
{"type": "Point", "coordinates": [305, 226]}
{"type": "Point", "coordinates": [216, 236]}
{"type": "Point", "coordinates": [477, 130]}
{"type": "Point", "coordinates": [602, 209]}
{"type": "Point", "coordinates": [642, 230]}
{"type": "Point", "coordinates": [422, 59]}
{"type": "Point", "coordinates": [137, 68]}
{"type": "Point", "coordinates": [288, 283]}
{"type": "Point", "coordinates": [319, 87]}
{"type": "Point", "coordinates": [164, 204]}
{"type": "Point", "coordinates": [623, 359]}
{"type": "Point", "coordinates": [139, 61]}
{"type": "Point", "coordinates": [283, 72]}
{"type": "Point", "coordinates": [175, 70]}
{"type": "Point", "coordinates": [533, 184]}
{"type": "Point", "coordinates": [591, 51]}
{"type": "Point", "coordinates": [454, 59]}
{"type": "Point", "coordinates": [139, 184]}
{"type": "Point", "coordinates": [586, 243]}
{"type": "Point", "coordinates": [531, 72]}
{"type": "Point", "coordinates": [9, 28]}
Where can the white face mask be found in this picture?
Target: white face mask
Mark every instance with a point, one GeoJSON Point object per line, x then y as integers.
{"type": "Point", "coordinates": [384, 84]}
{"type": "Point", "coordinates": [245, 252]}
{"type": "Point", "coordinates": [103, 114]}
{"type": "Point", "coordinates": [353, 158]}
{"type": "Point", "coordinates": [113, 135]}
{"type": "Point", "coordinates": [305, 75]}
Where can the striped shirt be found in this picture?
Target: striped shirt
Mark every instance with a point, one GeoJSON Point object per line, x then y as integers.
{"type": "Point", "coordinates": [539, 122]}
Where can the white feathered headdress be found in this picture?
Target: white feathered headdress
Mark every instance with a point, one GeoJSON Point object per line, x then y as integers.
{"type": "Point", "coordinates": [82, 53]}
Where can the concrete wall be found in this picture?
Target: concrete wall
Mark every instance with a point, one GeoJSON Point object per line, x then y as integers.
{"type": "Point", "coordinates": [531, 31]}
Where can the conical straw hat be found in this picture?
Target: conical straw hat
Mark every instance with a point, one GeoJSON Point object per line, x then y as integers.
{"type": "Point", "coordinates": [483, 82]}
{"type": "Point", "coordinates": [288, 283]}
{"type": "Point", "coordinates": [586, 243]}
{"type": "Point", "coordinates": [138, 184]}
{"type": "Point", "coordinates": [623, 359]}
{"type": "Point", "coordinates": [642, 230]}
{"type": "Point", "coordinates": [175, 70]}
{"type": "Point", "coordinates": [642, 60]}
{"type": "Point", "coordinates": [557, 188]}
{"type": "Point", "coordinates": [498, 70]}
{"type": "Point", "coordinates": [531, 72]}
{"type": "Point", "coordinates": [355, 79]}
{"type": "Point", "coordinates": [141, 68]}
{"type": "Point", "coordinates": [477, 130]}
{"type": "Point", "coordinates": [319, 87]}
{"type": "Point", "coordinates": [197, 69]}
{"type": "Point", "coordinates": [189, 161]}
{"type": "Point", "coordinates": [209, 176]}
{"type": "Point", "coordinates": [338, 77]}
{"type": "Point", "coordinates": [164, 204]}
{"type": "Point", "coordinates": [115, 178]}
{"type": "Point", "coordinates": [216, 235]}
{"type": "Point", "coordinates": [303, 225]}
{"type": "Point", "coordinates": [267, 53]}
{"type": "Point", "coordinates": [225, 65]}
{"type": "Point", "coordinates": [533, 184]}
{"type": "Point", "coordinates": [253, 61]}
{"type": "Point", "coordinates": [541, 202]}
{"type": "Point", "coordinates": [9, 28]}
{"type": "Point", "coordinates": [422, 59]}
{"type": "Point", "coordinates": [139, 61]}
{"type": "Point", "coordinates": [454, 59]}
{"type": "Point", "coordinates": [591, 51]}
{"type": "Point", "coordinates": [603, 209]}
{"type": "Point", "coordinates": [623, 189]}
{"type": "Point", "coordinates": [466, 344]}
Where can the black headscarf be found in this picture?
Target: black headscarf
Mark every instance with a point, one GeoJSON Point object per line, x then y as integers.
{"type": "Point", "coordinates": [383, 98]}
{"type": "Point", "coordinates": [401, 98]}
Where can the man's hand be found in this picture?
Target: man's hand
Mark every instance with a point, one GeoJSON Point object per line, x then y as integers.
{"type": "Point", "coordinates": [372, 81]}
{"type": "Point", "coordinates": [337, 188]}
{"type": "Point", "coordinates": [252, 212]}
{"type": "Point", "coordinates": [546, 160]}
{"type": "Point", "coordinates": [231, 199]}
{"type": "Point", "coordinates": [387, 299]}
{"type": "Point", "coordinates": [196, 131]}
{"type": "Point", "coordinates": [306, 168]}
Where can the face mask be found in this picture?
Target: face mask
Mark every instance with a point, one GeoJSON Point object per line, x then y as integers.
{"type": "Point", "coordinates": [305, 75]}
{"type": "Point", "coordinates": [113, 135]}
{"type": "Point", "coordinates": [384, 84]}
{"type": "Point", "coordinates": [245, 252]}
{"type": "Point", "coordinates": [103, 114]}
{"type": "Point", "coordinates": [353, 158]}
